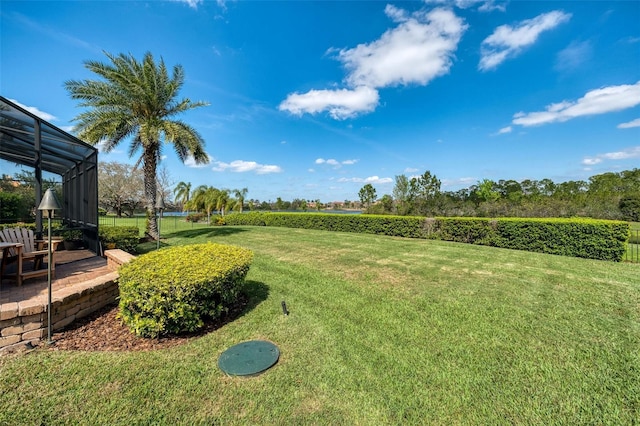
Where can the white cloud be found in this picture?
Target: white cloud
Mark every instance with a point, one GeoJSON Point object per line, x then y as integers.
{"type": "Point", "coordinates": [633, 152]}
{"type": "Point", "coordinates": [311, 170]}
{"type": "Point", "coordinates": [191, 3]}
{"type": "Point", "coordinates": [341, 104]}
{"type": "Point", "coordinates": [507, 41]}
{"type": "Point", "coordinates": [335, 163]}
{"type": "Point", "coordinates": [629, 124]}
{"type": "Point", "coordinates": [396, 15]}
{"type": "Point", "coordinates": [100, 146]}
{"type": "Point", "coordinates": [598, 101]}
{"type": "Point", "coordinates": [419, 49]}
{"type": "Point", "coordinates": [504, 130]}
{"type": "Point", "coordinates": [410, 170]}
{"type": "Point", "coordinates": [490, 5]}
{"type": "Point", "coordinates": [573, 56]}
{"type": "Point", "coordinates": [371, 179]}
{"type": "Point", "coordinates": [35, 111]}
{"type": "Point", "coordinates": [483, 5]}
{"type": "Point", "coordinates": [190, 162]}
{"type": "Point", "coordinates": [240, 166]}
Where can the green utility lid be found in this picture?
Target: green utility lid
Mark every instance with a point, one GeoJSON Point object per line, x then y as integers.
{"type": "Point", "coordinates": [248, 358]}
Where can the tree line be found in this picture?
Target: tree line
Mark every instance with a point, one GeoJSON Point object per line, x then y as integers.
{"type": "Point", "coordinates": [604, 196]}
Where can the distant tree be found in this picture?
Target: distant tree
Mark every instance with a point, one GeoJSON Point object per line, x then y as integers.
{"type": "Point", "coordinates": [367, 195]}
{"type": "Point", "coordinates": [630, 208]}
{"type": "Point", "coordinates": [509, 190]}
{"type": "Point", "coordinates": [296, 204]}
{"type": "Point", "coordinates": [486, 191]}
{"type": "Point", "coordinates": [23, 185]}
{"type": "Point", "coordinates": [223, 200]}
{"type": "Point", "coordinates": [164, 183]}
{"type": "Point", "coordinates": [401, 195]}
{"type": "Point", "coordinates": [120, 187]}
{"type": "Point", "coordinates": [10, 207]}
{"type": "Point", "coordinates": [265, 206]}
{"type": "Point", "coordinates": [387, 203]}
{"type": "Point", "coordinates": [279, 204]}
{"type": "Point", "coordinates": [240, 195]}
{"type": "Point", "coordinates": [137, 100]}
{"type": "Point", "coordinates": [204, 198]}
{"type": "Point", "coordinates": [423, 191]}
{"type": "Point", "coordinates": [182, 193]}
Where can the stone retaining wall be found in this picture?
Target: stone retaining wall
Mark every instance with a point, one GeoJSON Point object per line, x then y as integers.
{"type": "Point", "coordinates": [26, 322]}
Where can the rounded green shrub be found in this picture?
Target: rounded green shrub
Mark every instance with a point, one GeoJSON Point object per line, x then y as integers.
{"type": "Point", "coordinates": [174, 290]}
{"type": "Point", "coordinates": [123, 237]}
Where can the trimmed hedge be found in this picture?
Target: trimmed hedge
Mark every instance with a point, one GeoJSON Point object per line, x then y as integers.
{"type": "Point", "coordinates": [588, 238]}
{"type": "Point", "coordinates": [124, 237]}
{"type": "Point", "coordinates": [174, 289]}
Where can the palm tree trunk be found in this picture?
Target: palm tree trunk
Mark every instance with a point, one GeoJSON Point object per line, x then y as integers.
{"type": "Point", "coordinates": [149, 169]}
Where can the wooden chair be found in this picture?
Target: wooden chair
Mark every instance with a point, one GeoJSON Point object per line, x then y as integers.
{"type": "Point", "coordinates": [27, 248]}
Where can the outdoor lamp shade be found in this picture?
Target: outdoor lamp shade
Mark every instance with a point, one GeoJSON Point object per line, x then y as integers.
{"type": "Point", "coordinates": [49, 201]}
{"type": "Point", "coordinates": [160, 203]}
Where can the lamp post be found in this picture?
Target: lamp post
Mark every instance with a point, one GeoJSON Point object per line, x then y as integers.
{"type": "Point", "coordinates": [159, 207]}
{"type": "Point", "coordinates": [48, 204]}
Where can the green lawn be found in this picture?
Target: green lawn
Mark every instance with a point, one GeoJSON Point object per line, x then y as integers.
{"type": "Point", "coordinates": [167, 223]}
{"type": "Point", "coordinates": [382, 331]}
{"type": "Point", "coordinates": [633, 250]}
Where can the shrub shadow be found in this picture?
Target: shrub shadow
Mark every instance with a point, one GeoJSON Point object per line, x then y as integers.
{"type": "Point", "coordinates": [256, 292]}
{"type": "Point", "coordinates": [219, 231]}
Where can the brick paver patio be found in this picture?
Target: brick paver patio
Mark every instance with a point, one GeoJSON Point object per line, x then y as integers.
{"type": "Point", "coordinates": [72, 267]}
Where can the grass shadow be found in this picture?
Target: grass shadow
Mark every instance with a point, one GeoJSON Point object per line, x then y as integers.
{"type": "Point", "coordinates": [218, 231]}
{"type": "Point", "coordinates": [256, 292]}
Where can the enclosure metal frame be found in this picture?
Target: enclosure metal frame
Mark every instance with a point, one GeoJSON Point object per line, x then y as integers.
{"type": "Point", "coordinates": [28, 140]}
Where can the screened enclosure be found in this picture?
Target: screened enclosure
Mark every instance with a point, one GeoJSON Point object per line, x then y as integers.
{"type": "Point", "coordinates": [28, 140]}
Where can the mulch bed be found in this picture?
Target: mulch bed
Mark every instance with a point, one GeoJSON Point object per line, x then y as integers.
{"type": "Point", "coordinates": [102, 331]}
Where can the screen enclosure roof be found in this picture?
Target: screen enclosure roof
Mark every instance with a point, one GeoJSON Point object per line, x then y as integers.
{"type": "Point", "coordinates": [26, 138]}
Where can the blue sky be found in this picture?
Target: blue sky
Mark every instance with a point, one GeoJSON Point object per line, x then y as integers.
{"type": "Point", "coordinates": [315, 99]}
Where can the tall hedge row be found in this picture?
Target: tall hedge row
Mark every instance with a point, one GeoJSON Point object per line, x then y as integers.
{"type": "Point", "coordinates": [588, 238]}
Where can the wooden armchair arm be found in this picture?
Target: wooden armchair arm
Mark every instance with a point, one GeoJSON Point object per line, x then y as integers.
{"type": "Point", "coordinates": [34, 254]}
{"type": "Point", "coordinates": [42, 244]}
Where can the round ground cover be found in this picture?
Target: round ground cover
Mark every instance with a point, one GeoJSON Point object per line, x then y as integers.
{"type": "Point", "coordinates": [249, 358]}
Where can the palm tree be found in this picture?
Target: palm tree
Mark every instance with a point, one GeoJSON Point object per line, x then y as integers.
{"type": "Point", "coordinates": [205, 198]}
{"type": "Point", "coordinates": [182, 192]}
{"type": "Point", "coordinates": [137, 101]}
{"type": "Point", "coordinates": [223, 200]}
{"type": "Point", "coordinates": [240, 194]}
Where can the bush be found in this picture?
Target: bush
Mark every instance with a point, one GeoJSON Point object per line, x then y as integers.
{"type": "Point", "coordinates": [251, 219]}
{"type": "Point", "coordinates": [123, 237]}
{"type": "Point", "coordinates": [195, 217]}
{"type": "Point", "coordinates": [173, 290]}
{"type": "Point", "coordinates": [10, 206]}
{"type": "Point", "coordinates": [630, 208]}
{"type": "Point", "coordinates": [589, 238]}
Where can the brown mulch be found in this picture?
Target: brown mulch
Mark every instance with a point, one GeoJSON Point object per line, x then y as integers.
{"type": "Point", "coordinates": [102, 331]}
